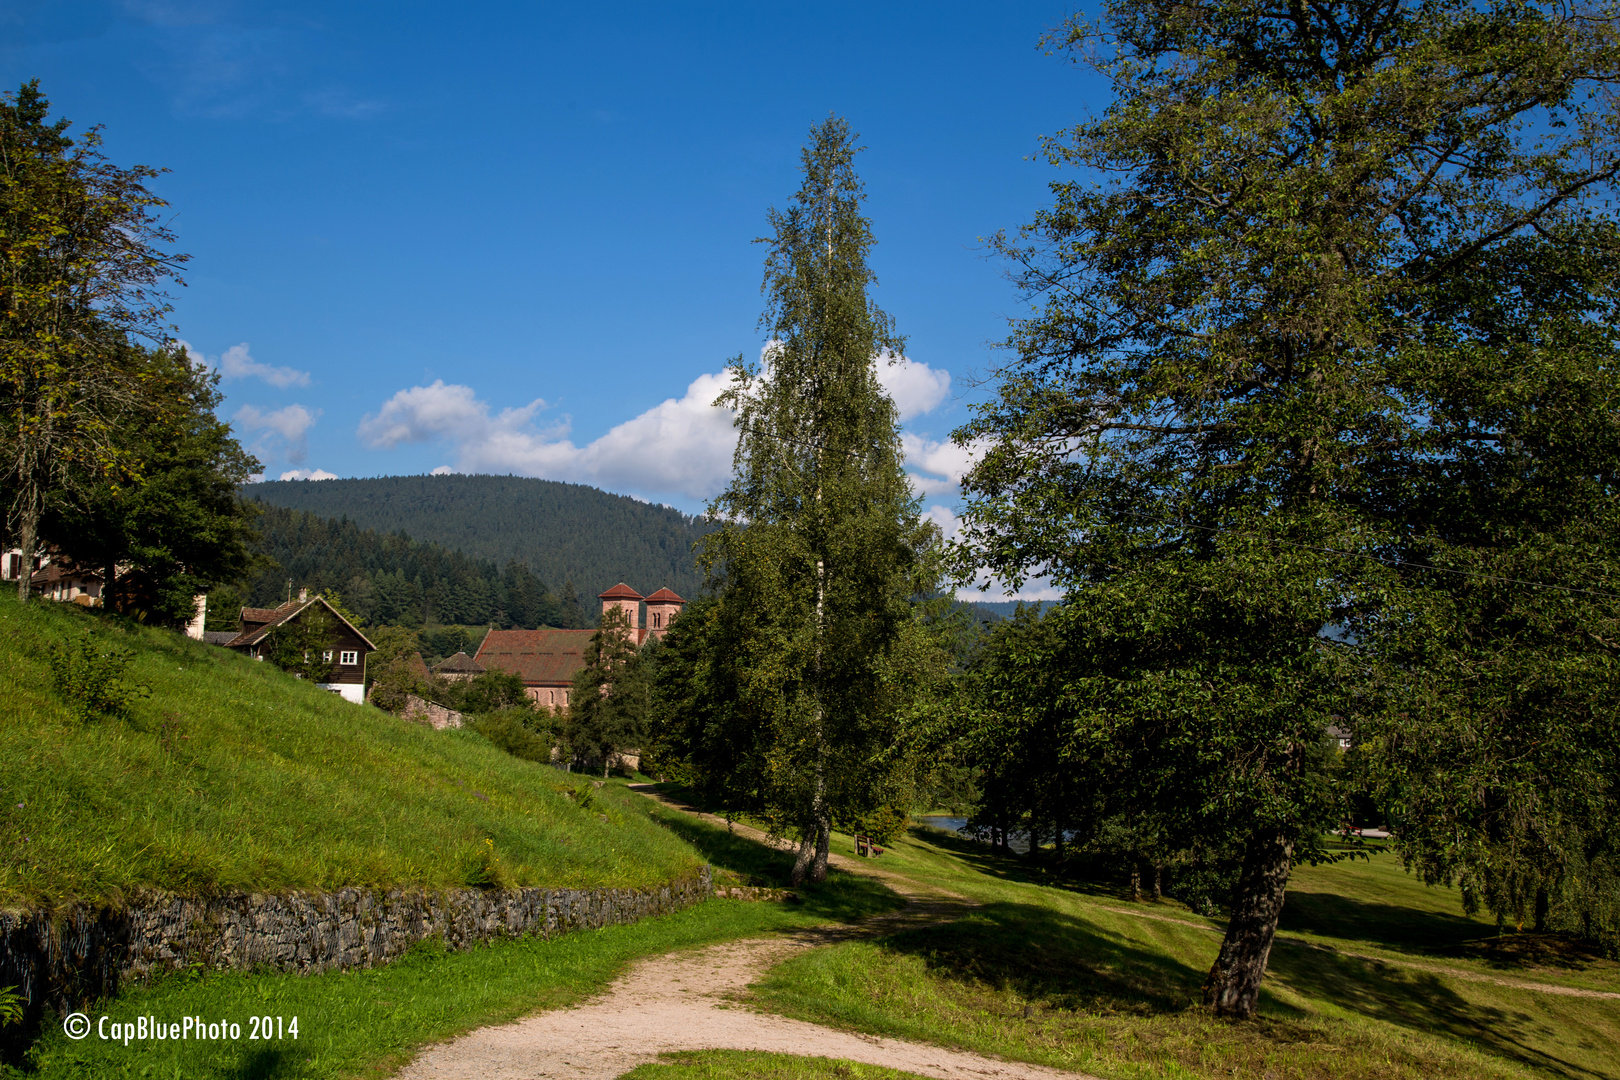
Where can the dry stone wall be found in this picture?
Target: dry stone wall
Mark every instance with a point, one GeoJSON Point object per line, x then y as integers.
{"type": "Point", "coordinates": [67, 959]}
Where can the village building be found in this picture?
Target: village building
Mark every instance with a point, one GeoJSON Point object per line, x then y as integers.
{"type": "Point", "coordinates": [346, 652]}
{"type": "Point", "coordinates": [52, 579]}
{"type": "Point", "coordinates": [458, 668]}
{"type": "Point", "coordinates": [546, 660]}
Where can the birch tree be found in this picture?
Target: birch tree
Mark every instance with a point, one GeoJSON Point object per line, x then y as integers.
{"type": "Point", "coordinates": [818, 554]}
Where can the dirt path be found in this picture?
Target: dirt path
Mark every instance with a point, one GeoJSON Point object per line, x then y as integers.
{"type": "Point", "coordinates": [690, 1001]}
{"type": "Point", "coordinates": [682, 1001]}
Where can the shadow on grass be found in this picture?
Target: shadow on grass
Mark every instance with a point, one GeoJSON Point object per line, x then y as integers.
{"type": "Point", "coordinates": [266, 1063]}
{"type": "Point", "coordinates": [842, 897]}
{"type": "Point", "coordinates": [1056, 960]}
{"type": "Point", "coordinates": [984, 859]}
{"type": "Point", "coordinates": [1422, 1001]}
{"type": "Point", "coordinates": [1336, 916]}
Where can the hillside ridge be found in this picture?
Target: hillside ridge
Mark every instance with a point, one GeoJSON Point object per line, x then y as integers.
{"type": "Point", "coordinates": [561, 532]}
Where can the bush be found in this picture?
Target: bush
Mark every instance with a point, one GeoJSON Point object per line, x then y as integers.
{"type": "Point", "coordinates": [89, 673]}
{"type": "Point", "coordinates": [520, 731]}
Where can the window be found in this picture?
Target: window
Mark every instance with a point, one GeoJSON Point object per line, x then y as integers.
{"type": "Point", "coordinates": [326, 657]}
{"type": "Point", "coordinates": [350, 657]}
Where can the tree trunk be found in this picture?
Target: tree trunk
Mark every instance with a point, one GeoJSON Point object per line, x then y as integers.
{"type": "Point", "coordinates": [818, 868]}
{"type": "Point", "coordinates": [1158, 881]}
{"type": "Point", "coordinates": [1233, 986]}
{"type": "Point", "coordinates": [1543, 906]}
{"type": "Point", "coordinates": [807, 853]}
{"type": "Point", "coordinates": [27, 540]}
{"type": "Point", "coordinates": [108, 579]}
{"type": "Point", "coordinates": [1136, 880]}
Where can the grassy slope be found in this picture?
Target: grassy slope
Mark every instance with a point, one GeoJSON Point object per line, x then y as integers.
{"type": "Point", "coordinates": [366, 1023]}
{"type": "Point", "coordinates": [1053, 975]}
{"type": "Point", "coordinates": [234, 775]}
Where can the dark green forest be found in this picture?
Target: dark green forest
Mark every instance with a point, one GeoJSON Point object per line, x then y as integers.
{"type": "Point", "coordinates": [388, 578]}
{"type": "Point", "coordinates": [561, 532]}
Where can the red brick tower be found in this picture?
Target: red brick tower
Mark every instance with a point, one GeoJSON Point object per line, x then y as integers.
{"type": "Point", "coordinates": [662, 607]}
{"type": "Point", "coordinates": [627, 600]}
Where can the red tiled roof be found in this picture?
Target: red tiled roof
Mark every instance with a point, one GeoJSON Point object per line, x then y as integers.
{"type": "Point", "coordinates": [538, 657]}
{"type": "Point", "coordinates": [621, 591]}
{"type": "Point", "coordinates": [664, 596]}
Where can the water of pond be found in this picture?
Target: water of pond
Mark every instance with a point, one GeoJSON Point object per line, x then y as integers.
{"type": "Point", "coordinates": [956, 825]}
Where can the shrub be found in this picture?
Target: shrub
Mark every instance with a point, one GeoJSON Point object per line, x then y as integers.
{"type": "Point", "coordinates": [89, 674]}
{"type": "Point", "coordinates": [481, 868]}
{"type": "Point", "coordinates": [521, 732]}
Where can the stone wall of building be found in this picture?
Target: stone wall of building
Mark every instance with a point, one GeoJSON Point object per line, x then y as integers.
{"type": "Point", "coordinates": [424, 711]}
{"type": "Point", "coordinates": [70, 958]}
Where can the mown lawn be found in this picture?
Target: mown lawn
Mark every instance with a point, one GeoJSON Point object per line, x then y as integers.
{"type": "Point", "coordinates": [1075, 977]}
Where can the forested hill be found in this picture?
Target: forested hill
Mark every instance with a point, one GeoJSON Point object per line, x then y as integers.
{"type": "Point", "coordinates": [386, 578]}
{"type": "Point", "coordinates": [561, 532]}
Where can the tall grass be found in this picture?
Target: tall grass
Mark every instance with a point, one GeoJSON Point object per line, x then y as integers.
{"type": "Point", "coordinates": [234, 775]}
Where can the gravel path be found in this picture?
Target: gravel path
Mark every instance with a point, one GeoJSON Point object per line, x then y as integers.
{"type": "Point", "coordinates": [682, 1001]}
{"type": "Point", "coordinates": [689, 1001]}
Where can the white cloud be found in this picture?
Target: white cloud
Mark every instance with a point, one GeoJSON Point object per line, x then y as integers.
{"type": "Point", "coordinates": [237, 363]}
{"type": "Point", "coordinates": [291, 424]}
{"type": "Point", "coordinates": [308, 474]}
{"type": "Point", "coordinates": [423, 413]}
{"type": "Point", "coordinates": [442, 470]}
{"type": "Point", "coordinates": [682, 445]}
{"type": "Point", "coordinates": [945, 460]}
{"type": "Point", "coordinates": [915, 387]}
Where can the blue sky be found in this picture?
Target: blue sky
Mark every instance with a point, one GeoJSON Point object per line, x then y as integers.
{"type": "Point", "coordinates": [516, 237]}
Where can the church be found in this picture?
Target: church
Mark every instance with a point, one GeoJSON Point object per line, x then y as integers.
{"type": "Point", "coordinates": [546, 660]}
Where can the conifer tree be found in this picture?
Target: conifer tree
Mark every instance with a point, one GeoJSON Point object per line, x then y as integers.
{"type": "Point", "coordinates": [818, 556]}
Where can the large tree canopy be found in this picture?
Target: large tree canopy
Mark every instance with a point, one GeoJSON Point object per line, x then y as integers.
{"type": "Point", "coordinates": [83, 257]}
{"type": "Point", "coordinates": [1307, 339]}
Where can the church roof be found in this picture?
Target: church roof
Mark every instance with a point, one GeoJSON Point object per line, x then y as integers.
{"type": "Point", "coordinates": [664, 596]}
{"type": "Point", "coordinates": [535, 656]}
{"type": "Point", "coordinates": [621, 591]}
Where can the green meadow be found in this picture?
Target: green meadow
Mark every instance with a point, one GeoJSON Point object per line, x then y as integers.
{"type": "Point", "coordinates": [228, 774]}
{"type": "Point", "coordinates": [1374, 975]}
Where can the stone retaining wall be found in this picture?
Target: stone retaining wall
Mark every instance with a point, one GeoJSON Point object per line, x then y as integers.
{"type": "Point", "coordinates": [68, 959]}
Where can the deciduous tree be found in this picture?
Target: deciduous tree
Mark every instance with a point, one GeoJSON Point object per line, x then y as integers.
{"type": "Point", "coordinates": [819, 556]}
{"type": "Point", "coordinates": [1267, 323]}
{"type": "Point", "coordinates": [83, 256]}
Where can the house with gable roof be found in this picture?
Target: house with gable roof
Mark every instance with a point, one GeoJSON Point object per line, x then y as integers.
{"type": "Point", "coordinates": [346, 652]}
{"type": "Point", "coordinates": [546, 660]}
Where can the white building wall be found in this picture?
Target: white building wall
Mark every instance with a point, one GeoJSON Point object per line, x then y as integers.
{"type": "Point", "coordinates": [355, 692]}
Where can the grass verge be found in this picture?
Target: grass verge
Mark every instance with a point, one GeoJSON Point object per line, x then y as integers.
{"type": "Point", "coordinates": [758, 1065]}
